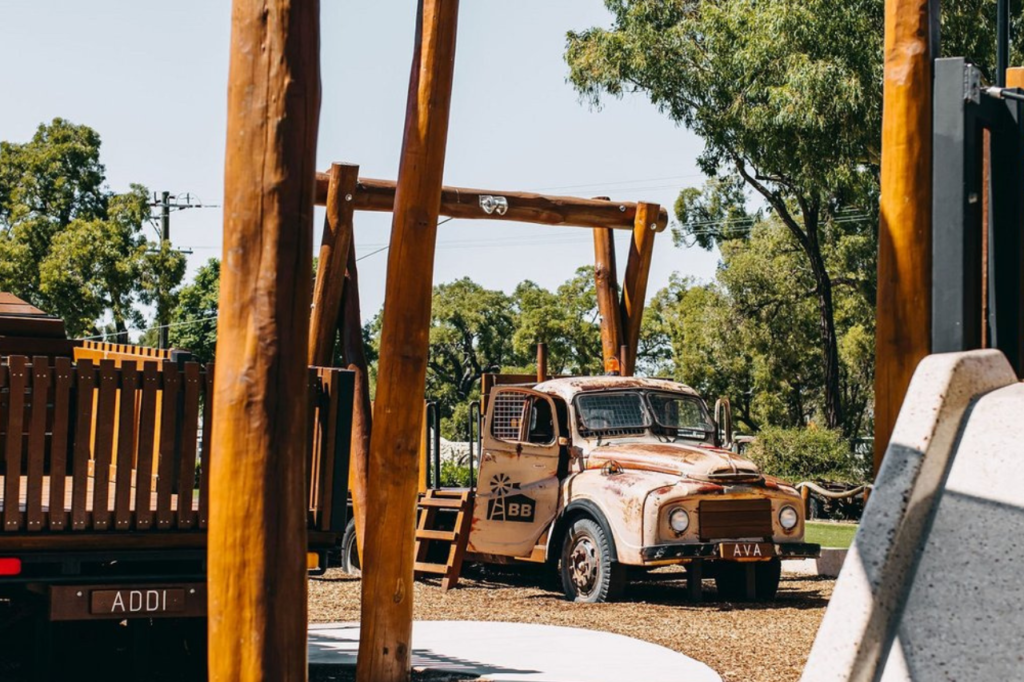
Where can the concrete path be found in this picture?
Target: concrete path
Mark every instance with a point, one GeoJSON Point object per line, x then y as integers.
{"type": "Point", "coordinates": [516, 652]}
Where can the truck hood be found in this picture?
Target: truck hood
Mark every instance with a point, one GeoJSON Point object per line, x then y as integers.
{"type": "Point", "coordinates": [699, 462]}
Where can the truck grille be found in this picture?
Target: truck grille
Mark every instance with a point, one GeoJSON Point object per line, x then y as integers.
{"type": "Point", "coordinates": [722, 519]}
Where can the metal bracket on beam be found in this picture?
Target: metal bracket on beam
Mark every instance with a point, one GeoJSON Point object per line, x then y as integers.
{"type": "Point", "coordinates": [493, 204]}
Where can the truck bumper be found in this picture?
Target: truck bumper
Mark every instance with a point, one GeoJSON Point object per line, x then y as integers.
{"type": "Point", "coordinates": [713, 550]}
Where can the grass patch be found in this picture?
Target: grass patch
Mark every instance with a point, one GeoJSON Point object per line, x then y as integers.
{"type": "Point", "coordinates": [830, 534]}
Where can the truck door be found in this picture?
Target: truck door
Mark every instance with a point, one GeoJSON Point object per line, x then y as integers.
{"type": "Point", "coordinates": [517, 488]}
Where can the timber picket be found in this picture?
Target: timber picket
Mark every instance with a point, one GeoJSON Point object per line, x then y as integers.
{"type": "Point", "coordinates": [103, 444]}
{"type": "Point", "coordinates": [126, 434]}
{"type": "Point", "coordinates": [168, 438]}
{"type": "Point", "coordinates": [85, 376]}
{"type": "Point", "coordinates": [204, 471]}
{"type": "Point", "coordinates": [189, 433]}
{"type": "Point", "coordinates": [58, 517]}
{"type": "Point", "coordinates": [34, 516]}
{"type": "Point", "coordinates": [147, 443]}
{"type": "Point", "coordinates": [12, 448]}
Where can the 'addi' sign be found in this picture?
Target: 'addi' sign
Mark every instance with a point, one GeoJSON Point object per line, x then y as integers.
{"type": "Point", "coordinates": [127, 602]}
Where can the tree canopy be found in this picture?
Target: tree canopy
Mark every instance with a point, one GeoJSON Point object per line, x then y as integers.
{"type": "Point", "coordinates": [71, 246]}
{"type": "Point", "coordinates": [786, 95]}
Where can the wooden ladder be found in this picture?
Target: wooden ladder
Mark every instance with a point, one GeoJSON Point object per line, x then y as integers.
{"type": "Point", "coordinates": [460, 500]}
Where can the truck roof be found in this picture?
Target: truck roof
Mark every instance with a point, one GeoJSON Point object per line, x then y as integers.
{"type": "Point", "coordinates": [568, 387]}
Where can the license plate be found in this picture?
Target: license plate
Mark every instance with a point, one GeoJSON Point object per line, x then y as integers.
{"type": "Point", "coordinates": [746, 551]}
{"type": "Point", "coordinates": [137, 602]}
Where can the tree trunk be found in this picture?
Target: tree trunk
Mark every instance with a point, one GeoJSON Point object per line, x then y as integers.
{"type": "Point", "coordinates": [829, 342]}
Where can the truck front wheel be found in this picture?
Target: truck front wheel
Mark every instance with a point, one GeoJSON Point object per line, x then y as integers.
{"type": "Point", "coordinates": [349, 550]}
{"type": "Point", "coordinates": [589, 571]}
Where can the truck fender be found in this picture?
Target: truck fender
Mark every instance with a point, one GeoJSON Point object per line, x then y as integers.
{"type": "Point", "coordinates": [575, 510]}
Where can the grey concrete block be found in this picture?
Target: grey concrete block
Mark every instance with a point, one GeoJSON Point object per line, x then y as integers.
{"type": "Point", "coordinates": [861, 622]}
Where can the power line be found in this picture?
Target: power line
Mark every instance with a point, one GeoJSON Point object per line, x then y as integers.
{"type": "Point", "coordinates": [170, 325]}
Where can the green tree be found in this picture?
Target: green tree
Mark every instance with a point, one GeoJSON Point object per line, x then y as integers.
{"type": "Point", "coordinates": [69, 245]}
{"type": "Point", "coordinates": [194, 316]}
{"type": "Point", "coordinates": [99, 265]}
{"type": "Point", "coordinates": [786, 95]}
{"type": "Point", "coordinates": [751, 335]}
{"type": "Point", "coordinates": [566, 320]}
{"type": "Point", "coordinates": [470, 334]}
{"type": "Point", "coordinates": [45, 184]}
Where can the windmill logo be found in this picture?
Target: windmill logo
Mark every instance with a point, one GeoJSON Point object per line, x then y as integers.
{"type": "Point", "coordinates": [504, 506]}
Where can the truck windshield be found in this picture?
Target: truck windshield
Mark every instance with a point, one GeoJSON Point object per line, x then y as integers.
{"type": "Point", "coordinates": [685, 414]}
{"type": "Point", "coordinates": [611, 411]}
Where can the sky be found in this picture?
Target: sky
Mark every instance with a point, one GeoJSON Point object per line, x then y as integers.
{"type": "Point", "coordinates": [151, 78]}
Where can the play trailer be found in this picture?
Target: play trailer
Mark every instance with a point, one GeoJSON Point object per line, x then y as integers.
{"type": "Point", "coordinates": [104, 472]}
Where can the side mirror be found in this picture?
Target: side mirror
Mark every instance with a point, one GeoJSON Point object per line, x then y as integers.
{"type": "Point", "coordinates": [723, 423]}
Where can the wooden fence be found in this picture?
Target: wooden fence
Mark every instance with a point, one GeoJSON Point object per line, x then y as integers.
{"type": "Point", "coordinates": [117, 446]}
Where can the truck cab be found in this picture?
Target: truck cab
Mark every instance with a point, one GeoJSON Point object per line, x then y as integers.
{"type": "Point", "coordinates": [600, 474]}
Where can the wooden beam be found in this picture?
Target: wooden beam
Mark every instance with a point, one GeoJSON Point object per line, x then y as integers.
{"type": "Point", "coordinates": [523, 207]}
{"type": "Point", "coordinates": [354, 355]}
{"type": "Point", "coordinates": [634, 287]}
{"type": "Point", "coordinates": [330, 274]}
{"type": "Point", "coordinates": [542, 362]}
{"type": "Point", "coordinates": [607, 286]}
{"type": "Point", "coordinates": [385, 642]}
{"type": "Point", "coordinates": [257, 544]}
{"type": "Point", "coordinates": [903, 331]}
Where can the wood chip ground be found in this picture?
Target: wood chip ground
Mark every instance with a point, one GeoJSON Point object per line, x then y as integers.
{"type": "Point", "coordinates": [755, 642]}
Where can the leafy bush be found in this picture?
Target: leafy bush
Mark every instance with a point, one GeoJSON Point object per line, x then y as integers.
{"type": "Point", "coordinates": [808, 454]}
{"type": "Point", "coordinates": [454, 475]}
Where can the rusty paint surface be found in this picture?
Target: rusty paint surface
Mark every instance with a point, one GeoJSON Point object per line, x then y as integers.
{"type": "Point", "coordinates": [569, 387]}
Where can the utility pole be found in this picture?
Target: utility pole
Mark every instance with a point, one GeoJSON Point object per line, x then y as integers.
{"type": "Point", "coordinates": [164, 204]}
{"type": "Point", "coordinates": [162, 315]}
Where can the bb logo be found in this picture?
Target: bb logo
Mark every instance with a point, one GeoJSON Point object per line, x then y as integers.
{"type": "Point", "coordinates": [504, 506]}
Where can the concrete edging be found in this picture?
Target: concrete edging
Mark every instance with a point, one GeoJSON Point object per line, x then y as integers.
{"type": "Point", "coordinates": [827, 565]}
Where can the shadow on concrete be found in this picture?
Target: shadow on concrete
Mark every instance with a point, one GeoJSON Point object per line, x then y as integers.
{"type": "Point", "coordinates": [340, 648]}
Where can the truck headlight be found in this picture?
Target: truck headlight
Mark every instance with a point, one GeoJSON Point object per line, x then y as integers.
{"type": "Point", "coordinates": [788, 518]}
{"type": "Point", "coordinates": [679, 520]}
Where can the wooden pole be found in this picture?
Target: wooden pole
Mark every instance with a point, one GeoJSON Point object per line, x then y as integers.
{"type": "Point", "coordinates": [385, 642]}
{"type": "Point", "coordinates": [634, 288]}
{"type": "Point", "coordinates": [624, 361]}
{"type": "Point", "coordinates": [606, 281]}
{"type": "Point", "coordinates": [257, 528]}
{"type": "Point", "coordinates": [330, 274]}
{"type": "Point", "coordinates": [523, 207]}
{"type": "Point", "coordinates": [354, 354]}
{"type": "Point", "coordinates": [542, 362]}
{"type": "Point", "coordinates": [903, 333]}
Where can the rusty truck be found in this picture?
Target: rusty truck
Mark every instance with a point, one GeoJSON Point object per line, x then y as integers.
{"type": "Point", "coordinates": [601, 477]}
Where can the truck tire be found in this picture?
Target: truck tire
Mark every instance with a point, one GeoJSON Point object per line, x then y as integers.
{"type": "Point", "coordinates": [350, 551]}
{"type": "Point", "coordinates": [589, 572]}
{"type": "Point", "coordinates": [731, 580]}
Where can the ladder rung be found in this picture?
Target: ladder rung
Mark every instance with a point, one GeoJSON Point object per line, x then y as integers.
{"type": "Point", "coordinates": [427, 534]}
{"type": "Point", "coordinates": [458, 494]}
{"type": "Point", "coordinates": [422, 567]}
{"type": "Point", "coordinates": [443, 503]}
